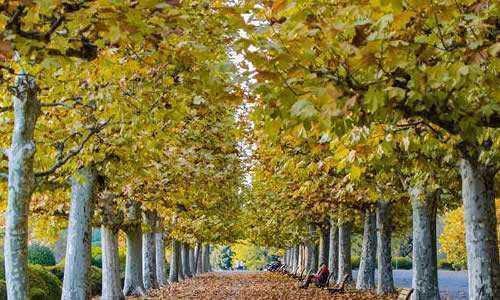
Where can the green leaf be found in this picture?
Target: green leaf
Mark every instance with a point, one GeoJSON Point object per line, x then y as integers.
{"type": "Point", "coordinates": [303, 108]}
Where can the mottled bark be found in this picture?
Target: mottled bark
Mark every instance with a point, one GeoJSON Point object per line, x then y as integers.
{"type": "Point", "coordinates": [296, 257]}
{"type": "Point", "coordinates": [111, 281]}
{"type": "Point", "coordinates": [324, 243]}
{"type": "Point", "coordinates": [21, 182]}
{"type": "Point", "coordinates": [424, 283]}
{"type": "Point", "coordinates": [345, 266]}
{"type": "Point", "coordinates": [311, 254]}
{"type": "Point", "coordinates": [199, 267]}
{"type": "Point", "coordinates": [333, 254]}
{"type": "Point", "coordinates": [174, 259]}
{"type": "Point", "coordinates": [77, 261]}
{"type": "Point", "coordinates": [185, 260]}
{"type": "Point", "coordinates": [385, 280]}
{"type": "Point", "coordinates": [149, 278]}
{"type": "Point", "coordinates": [366, 272]}
{"type": "Point", "coordinates": [301, 257]}
{"type": "Point", "coordinates": [133, 285]}
{"type": "Point", "coordinates": [478, 192]}
{"type": "Point", "coordinates": [205, 261]}
{"type": "Point", "coordinates": [192, 261]}
{"type": "Point", "coordinates": [160, 258]}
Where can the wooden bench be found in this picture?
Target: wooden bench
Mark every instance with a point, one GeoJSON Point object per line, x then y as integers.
{"type": "Point", "coordinates": [340, 288]}
{"type": "Point", "coordinates": [405, 294]}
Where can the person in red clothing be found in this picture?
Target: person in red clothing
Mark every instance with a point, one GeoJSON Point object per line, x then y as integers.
{"type": "Point", "coordinates": [319, 279]}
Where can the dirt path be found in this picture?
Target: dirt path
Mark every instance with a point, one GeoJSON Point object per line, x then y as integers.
{"type": "Point", "coordinates": [249, 285]}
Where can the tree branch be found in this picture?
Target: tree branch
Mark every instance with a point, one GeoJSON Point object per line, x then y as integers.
{"type": "Point", "coordinates": [5, 151]}
{"type": "Point", "coordinates": [6, 108]}
{"type": "Point", "coordinates": [73, 152]}
{"type": "Point", "coordinates": [65, 103]}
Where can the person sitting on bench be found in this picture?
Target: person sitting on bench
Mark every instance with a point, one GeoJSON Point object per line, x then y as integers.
{"type": "Point", "coordinates": [275, 266]}
{"type": "Point", "coordinates": [318, 279]}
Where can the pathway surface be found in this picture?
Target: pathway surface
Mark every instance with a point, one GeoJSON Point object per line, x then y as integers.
{"type": "Point", "coordinates": [452, 284]}
{"type": "Point", "coordinates": [249, 285]}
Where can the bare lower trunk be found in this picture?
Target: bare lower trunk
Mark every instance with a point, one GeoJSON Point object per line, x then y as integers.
{"type": "Point", "coordinates": [111, 281]}
{"type": "Point", "coordinates": [205, 261]}
{"type": "Point", "coordinates": [20, 186]}
{"type": "Point", "coordinates": [311, 254]}
{"type": "Point", "coordinates": [180, 269]}
{"type": "Point", "coordinates": [149, 278]}
{"type": "Point", "coordinates": [174, 267]}
{"type": "Point", "coordinates": [345, 267]}
{"type": "Point", "coordinates": [301, 257]}
{"type": "Point", "coordinates": [295, 257]}
{"type": "Point", "coordinates": [133, 285]}
{"type": "Point", "coordinates": [385, 281]}
{"type": "Point", "coordinates": [366, 272]}
{"type": "Point", "coordinates": [324, 243]}
{"type": "Point", "coordinates": [185, 260]}
{"type": "Point", "coordinates": [160, 258]}
{"type": "Point", "coordinates": [333, 254]}
{"type": "Point", "coordinates": [77, 261]}
{"type": "Point", "coordinates": [192, 261]}
{"type": "Point", "coordinates": [199, 267]}
{"type": "Point", "coordinates": [424, 281]}
{"type": "Point", "coordinates": [478, 192]}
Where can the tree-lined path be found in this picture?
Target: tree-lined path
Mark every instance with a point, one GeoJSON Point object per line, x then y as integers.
{"type": "Point", "coordinates": [250, 285]}
{"type": "Point", "coordinates": [143, 140]}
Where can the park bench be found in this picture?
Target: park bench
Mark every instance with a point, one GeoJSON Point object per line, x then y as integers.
{"type": "Point", "coordinates": [405, 294]}
{"type": "Point", "coordinates": [339, 288]}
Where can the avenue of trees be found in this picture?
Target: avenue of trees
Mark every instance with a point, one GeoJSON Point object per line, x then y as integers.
{"type": "Point", "coordinates": [365, 112]}
{"type": "Point", "coordinates": [190, 123]}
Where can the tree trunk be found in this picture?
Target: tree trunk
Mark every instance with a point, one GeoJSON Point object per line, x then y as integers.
{"type": "Point", "coordinates": [205, 262]}
{"type": "Point", "coordinates": [111, 281]}
{"type": "Point", "coordinates": [133, 285]}
{"type": "Point", "coordinates": [160, 258]}
{"type": "Point", "coordinates": [478, 193]}
{"type": "Point", "coordinates": [345, 267]}
{"type": "Point", "coordinates": [199, 267]}
{"type": "Point", "coordinates": [424, 281]}
{"type": "Point", "coordinates": [312, 255]}
{"type": "Point", "coordinates": [192, 261]}
{"type": "Point", "coordinates": [185, 260]}
{"type": "Point", "coordinates": [20, 186]}
{"type": "Point", "coordinates": [324, 244]}
{"type": "Point", "coordinates": [174, 266]}
{"type": "Point", "coordinates": [296, 257]}
{"type": "Point", "coordinates": [149, 278]}
{"type": "Point", "coordinates": [385, 281]}
{"type": "Point", "coordinates": [366, 272]}
{"type": "Point", "coordinates": [333, 254]}
{"type": "Point", "coordinates": [301, 257]}
{"type": "Point", "coordinates": [180, 269]}
{"type": "Point", "coordinates": [77, 261]}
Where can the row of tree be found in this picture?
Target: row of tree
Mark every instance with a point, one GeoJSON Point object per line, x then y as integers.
{"type": "Point", "coordinates": [128, 106]}
{"type": "Point", "coordinates": [369, 112]}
